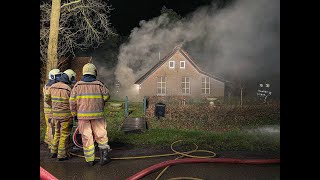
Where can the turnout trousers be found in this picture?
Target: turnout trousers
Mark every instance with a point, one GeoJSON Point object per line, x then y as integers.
{"type": "Point", "coordinates": [48, 138]}
{"type": "Point", "coordinates": [89, 129]}
{"type": "Point", "coordinates": [61, 137]}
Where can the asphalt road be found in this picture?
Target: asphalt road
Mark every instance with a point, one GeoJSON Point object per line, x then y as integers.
{"type": "Point", "coordinates": [75, 168]}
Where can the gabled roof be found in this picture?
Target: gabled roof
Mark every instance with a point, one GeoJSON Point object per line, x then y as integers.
{"type": "Point", "coordinates": [161, 62]}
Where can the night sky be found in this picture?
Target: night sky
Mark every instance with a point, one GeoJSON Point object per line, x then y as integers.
{"type": "Point", "coordinates": [127, 14]}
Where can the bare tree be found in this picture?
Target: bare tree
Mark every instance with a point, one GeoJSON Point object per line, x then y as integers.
{"type": "Point", "coordinates": [71, 25]}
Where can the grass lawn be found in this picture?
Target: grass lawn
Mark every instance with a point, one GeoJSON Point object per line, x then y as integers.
{"type": "Point", "coordinates": [157, 136]}
{"type": "Point", "coordinates": [232, 140]}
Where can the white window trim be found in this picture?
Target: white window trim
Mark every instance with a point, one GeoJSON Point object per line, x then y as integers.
{"type": "Point", "coordinates": [187, 87]}
{"type": "Point", "coordinates": [205, 83]}
{"type": "Point", "coordinates": [184, 63]}
{"type": "Point", "coordinates": [173, 64]}
{"type": "Point", "coordinates": [163, 84]}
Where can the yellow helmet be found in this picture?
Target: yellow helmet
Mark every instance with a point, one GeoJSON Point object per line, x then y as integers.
{"type": "Point", "coordinates": [89, 68]}
{"type": "Point", "coordinates": [71, 74]}
{"type": "Point", "coordinates": [53, 73]}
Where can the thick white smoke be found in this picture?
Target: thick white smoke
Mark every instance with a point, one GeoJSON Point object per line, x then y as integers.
{"type": "Point", "coordinates": [241, 40]}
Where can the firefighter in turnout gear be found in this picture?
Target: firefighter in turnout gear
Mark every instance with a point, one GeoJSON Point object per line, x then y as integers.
{"type": "Point", "coordinates": [58, 95]}
{"type": "Point", "coordinates": [87, 102]}
{"type": "Point", "coordinates": [54, 75]}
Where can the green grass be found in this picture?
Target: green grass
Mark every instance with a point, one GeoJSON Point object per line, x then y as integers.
{"type": "Point", "coordinates": [163, 137]}
{"type": "Point", "coordinates": [233, 140]}
{"type": "Point", "coordinates": [158, 136]}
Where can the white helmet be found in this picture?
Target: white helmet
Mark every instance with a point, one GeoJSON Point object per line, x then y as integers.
{"type": "Point", "coordinates": [71, 74]}
{"type": "Point", "coordinates": [53, 73]}
{"type": "Point", "coordinates": [89, 68]}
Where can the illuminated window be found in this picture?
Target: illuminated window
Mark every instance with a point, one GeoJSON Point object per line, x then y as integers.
{"type": "Point", "coordinates": [161, 85]}
{"type": "Point", "coordinates": [171, 64]}
{"type": "Point", "coordinates": [205, 86]}
{"type": "Point", "coordinates": [185, 85]}
{"type": "Point", "coordinates": [182, 64]}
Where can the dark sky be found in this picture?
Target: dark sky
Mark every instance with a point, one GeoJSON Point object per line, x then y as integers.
{"type": "Point", "coordinates": [128, 13]}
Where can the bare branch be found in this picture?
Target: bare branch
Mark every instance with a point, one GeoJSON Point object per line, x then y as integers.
{"type": "Point", "coordinates": [70, 3]}
{"type": "Point", "coordinates": [83, 24]}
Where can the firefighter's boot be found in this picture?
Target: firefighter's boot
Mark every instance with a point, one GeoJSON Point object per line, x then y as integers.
{"type": "Point", "coordinates": [90, 163]}
{"type": "Point", "coordinates": [53, 155]}
{"type": "Point", "coordinates": [104, 159]}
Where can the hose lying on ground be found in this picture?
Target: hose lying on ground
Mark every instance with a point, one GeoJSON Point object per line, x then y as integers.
{"type": "Point", "coordinates": [45, 175]}
{"type": "Point", "coordinates": [192, 159]}
{"type": "Point", "coordinates": [151, 169]}
{"type": "Point", "coordinates": [163, 155]}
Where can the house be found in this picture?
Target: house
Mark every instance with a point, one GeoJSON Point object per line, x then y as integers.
{"type": "Point", "coordinates": [76, 64]}
{"type": "Point", "coordinates": [177, 74]}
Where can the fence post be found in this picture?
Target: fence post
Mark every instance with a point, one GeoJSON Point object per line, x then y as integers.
{"type": "Point", "coordinates": [241, 99]}
{"type": "Point", "coordinates": [126, 106]}
{"type": "Point", "coordinates": [144, 105]}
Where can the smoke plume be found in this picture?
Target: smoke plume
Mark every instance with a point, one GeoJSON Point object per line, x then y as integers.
{"type": "Point", "coordinates": [241, 40]}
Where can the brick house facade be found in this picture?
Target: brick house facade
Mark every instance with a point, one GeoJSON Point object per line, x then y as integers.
{"type": "Point", "coordinates": [178, 75]}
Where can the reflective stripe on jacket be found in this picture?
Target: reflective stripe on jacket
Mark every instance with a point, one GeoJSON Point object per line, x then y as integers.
{"type": "Point", "coordinates": [87, 100]}
{"type": "Point", "coordinates": [46, 106]}
{"type": "Point", "coordinates": [59, 94]}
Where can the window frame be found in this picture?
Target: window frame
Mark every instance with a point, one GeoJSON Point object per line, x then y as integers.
{"type": "Point", "coordinates": [187, 85]}
{"type": "Point", "coordinates": [174, 63]}
{"type": "Point", "coordinates": [163, 85]}
{"type": "Point", "coordinates": [184, 63]}
{"type": "Point", "coordinates": [205, 82]}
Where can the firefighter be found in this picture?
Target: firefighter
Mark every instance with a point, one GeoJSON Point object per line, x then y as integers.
{"type": "Point", "coordinates": [54, 74]}
{"type": "Point", "coordinates": [59, 94]}
{"type": "Point", "coordinates": [87, 102]}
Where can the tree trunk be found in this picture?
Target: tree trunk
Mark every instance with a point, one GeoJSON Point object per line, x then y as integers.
{"type": "Point", "coordinates": [52, 61]}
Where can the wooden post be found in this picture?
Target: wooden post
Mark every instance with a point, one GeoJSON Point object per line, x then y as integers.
{"type": "Point", "coordinates": [126, 107]}
{"type": "Point", "coordinates": [241, 98]}
{"type": "Point", "coordinates": [144, 105]}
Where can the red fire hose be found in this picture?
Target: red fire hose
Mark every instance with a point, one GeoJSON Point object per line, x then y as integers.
{"type": "Point", "coordinates": [151, 169]}
{"type": "Point", "coordinates": [45, 175]}
{"type": "Point", "coordinates": [74, 138]}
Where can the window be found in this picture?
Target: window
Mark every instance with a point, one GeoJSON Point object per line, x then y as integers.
{"type": "Point", "coordinates": [205, 87]}
{"type": "Point", "coordinates": [161, 85]}
{"type": "Point", "coordinates": [171, 64]}
{"type": "Point", "coordinates": [185, 85]}
{"type": "Point", "coordinates": [182, 64]}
